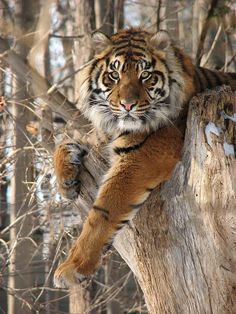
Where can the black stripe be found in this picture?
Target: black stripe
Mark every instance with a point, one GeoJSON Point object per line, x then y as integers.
{"type": "Point", "coordinates": [97, 91]}
{"type": "Point", "coordinates": [162, 93]}
{"type": "Point", "coordinates": [148, 66]}
{"type": "Point", "coordinates": [129, 149]}
{"type": "Point", "coordinates": [138, 54]}
{"type": "Point", "coordinates": [147, 91]}
{"type": "Point", "coordinates": [117, 49]}
{"type": "Point", "coordinates": [122, 134]}
{"type": "Point", "coordinates": [122, 41]}
{"type": "Point", "coordinates": [121, 224]}
{"type": "Point", "coordinates": [98, 73]}
{"type": "Point", "coordinates": [153, 62]}
{"type": "Point", "coordinates": [106, 81]}
{"type": "Point", "coordinates": [107, 61]}
{"type": "Point", "coordinates": [136, 206]}
{"type": "Point", "coordinates": [138, 39]}
{"type": "Point", "coordinates": [219, 80]}
{"type": "Point", "coordinates": [137, 47]}
{"type": "Point", "coordinates": [112, 67]}
{"type": "Point", "coordinates": [131, 46]}
{"type": "Point", "coordinates": [123, 67]}
{"type": "Point", "coordinates": [207, 76]}
{"type": "Point", "coordinates": [162, 76]}
{"type": "Point", "coordinates": [158, 90]}
{"type": "Point", "coordinates": [130, 53]}
{"type": "Point", "coordinates": [107, 247]}
{"type": "Point", "coordinates": [106, 90]}
{"type": "Point", "coordinates": [121, 53]}
{"type": "Point", "coordinates": [123, 36]}
{"type": "Point", "coordinates": [119, 227]}
{"type": "Point", "coordinates": [231, 75]}
{"type": "Point", "coordinates": [93, 66]}
{"type": "Point", "coordinates": [117, 64]}
{"type": "Point", "coordinates": [108, 95]}
{"type": "Point", "coordinates": [198, 78]}
{"type": "Point", "coordinates": [149, 189]}
{"type": "Point", "coordinates": [105, 212]}
{"type": "Point", "coordinates": [90, 73]}
{"type": "Point", "coordinates": [181, 59]}
{"type": "Point", "coordinates": [173, 81]}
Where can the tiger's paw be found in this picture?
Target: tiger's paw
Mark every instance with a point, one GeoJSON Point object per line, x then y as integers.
{"type": "Point", "coordinates": [79, 266]}
{"type": "Point", "coordinates": [66, 275]}
{"type": "Point", "coordinates": [68, 163]}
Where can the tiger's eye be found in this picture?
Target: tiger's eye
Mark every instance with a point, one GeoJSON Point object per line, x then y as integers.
{"type": "Point", "coordinates": [114, 75]}
{"type": "Point", "coordinates": [145, 75]}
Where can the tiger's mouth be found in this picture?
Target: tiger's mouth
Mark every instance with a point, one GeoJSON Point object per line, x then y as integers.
{"type": "Point", "coordinates": [128, 116]}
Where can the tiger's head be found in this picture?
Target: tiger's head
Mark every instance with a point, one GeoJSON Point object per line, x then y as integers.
{"type": "Point", "coordinates": [135, 82]}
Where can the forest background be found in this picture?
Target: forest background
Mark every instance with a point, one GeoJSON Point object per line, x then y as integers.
{"type": "Point", "coordinates": [43, 45]}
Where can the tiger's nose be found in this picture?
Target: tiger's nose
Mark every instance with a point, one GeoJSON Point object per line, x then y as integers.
{"type": "Point", "coordinates": [128, 105]}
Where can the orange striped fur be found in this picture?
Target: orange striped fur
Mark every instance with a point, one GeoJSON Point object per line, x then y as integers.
{"type": "Point", "coordinates": [137, 86]}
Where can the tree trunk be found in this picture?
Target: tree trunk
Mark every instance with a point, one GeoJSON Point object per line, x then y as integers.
{"type": "Point", "coordinates": [118, 15]}
{"type": "Point", "coordinates": [85, 22]}
{"type": "Point", "coordinates": [180, 245]}
{"type": "Point", "coordinates": [104, 12]}
{"type": "Point", "coordinates": [22, 248]}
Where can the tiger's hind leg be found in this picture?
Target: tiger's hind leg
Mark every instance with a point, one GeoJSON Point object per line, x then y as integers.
{"type": "Point", "coordinates": [67, 159]}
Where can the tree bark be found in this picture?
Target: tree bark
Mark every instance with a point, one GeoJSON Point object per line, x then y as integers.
{"type": "Point", "coordinates": [118, 15]}
{"type": "Point", "coordinates": [104, 12]}
{"type": "Point", "coordinates": [85, 22]}
{"type": "Point", "coordinates": [21, 275]}
{"type": "Point", "coordinates": [180, 245]}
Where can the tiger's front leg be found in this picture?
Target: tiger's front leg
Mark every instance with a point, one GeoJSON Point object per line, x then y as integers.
{"type": "Point", "coordinates": [67, 159]}
{"type": "Point", "coordinates": [140, 163]}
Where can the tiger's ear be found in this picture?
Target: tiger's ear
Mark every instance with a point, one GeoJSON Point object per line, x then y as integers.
{"type": "Point", "coordinates": [100, 42]}
{"type": "Point", "coordinates": [161, 40]}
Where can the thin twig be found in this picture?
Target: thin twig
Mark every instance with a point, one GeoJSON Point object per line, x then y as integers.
{"type": "Point", "coordinates": [213, 45]}
{"type": "Point", "coordinates": [204, 31]}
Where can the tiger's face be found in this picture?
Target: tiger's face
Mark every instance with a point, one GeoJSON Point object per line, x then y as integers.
{"type": "Point", "coordinates": [129, 87]}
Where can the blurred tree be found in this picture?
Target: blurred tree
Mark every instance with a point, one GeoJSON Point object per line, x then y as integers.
{"type": "Point", "coordinates": [104, 13]}
{"type": "Point", "coordinates": [84, 24]}
{"type": "Point", "coordinates": [22, 246]}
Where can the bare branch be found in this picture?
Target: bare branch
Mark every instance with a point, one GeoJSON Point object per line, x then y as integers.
{"type": "Point", "coordinates": [200, 49]}
{"type": "Point", "coordinates": [204, 62]}
{"type": "Point", "coordinates": [40, 87]}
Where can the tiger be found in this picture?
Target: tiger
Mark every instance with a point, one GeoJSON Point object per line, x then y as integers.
{"type": "Point", "coordinates": [136, 90]}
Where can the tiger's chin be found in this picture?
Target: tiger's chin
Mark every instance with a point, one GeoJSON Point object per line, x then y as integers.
{"type": "Point", "coordinates": [113, 125]}
{"type": "Point", "coordinates": [130, 124]}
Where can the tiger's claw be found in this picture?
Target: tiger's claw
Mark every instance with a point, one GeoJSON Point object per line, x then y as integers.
{"type": "Point", "coordinates": [66, 280]}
